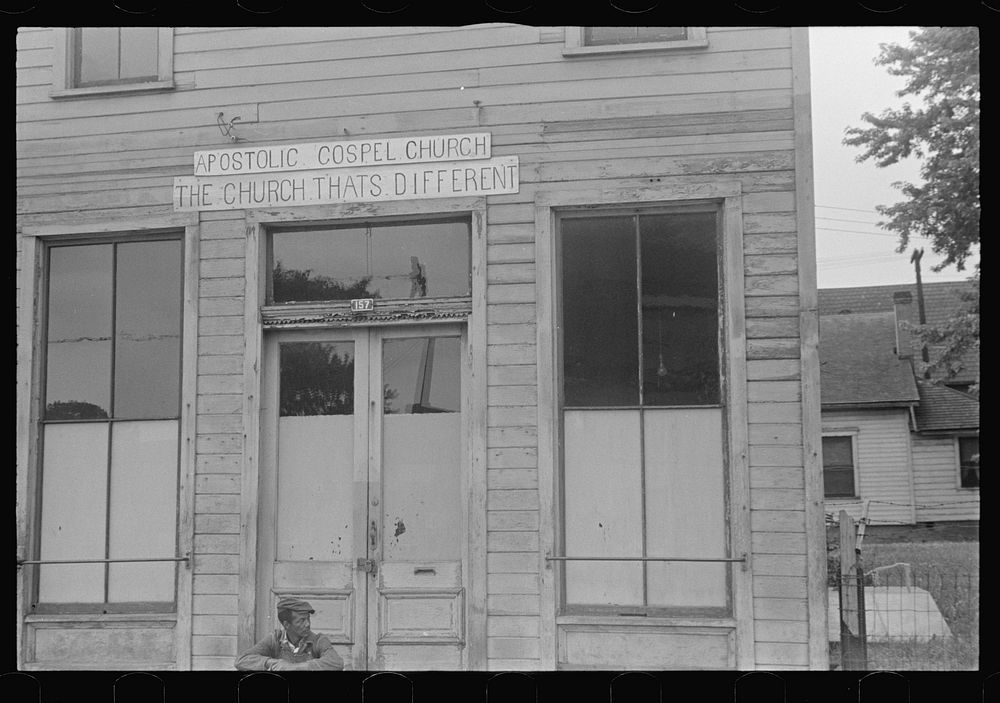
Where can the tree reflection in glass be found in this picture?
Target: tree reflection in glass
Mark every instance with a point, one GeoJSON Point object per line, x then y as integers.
{"type": "Point", "coordinates": [317, 378]}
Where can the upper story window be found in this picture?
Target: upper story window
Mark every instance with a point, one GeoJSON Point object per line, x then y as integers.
{"type": "Point", "coordinates": [968, 462]}
{"type": "Point", "coordinates": [602, 40]}
{"type": "Point", "coordinates": [386, 261]}
{"type": "Point", "coordinates": [99, 60]}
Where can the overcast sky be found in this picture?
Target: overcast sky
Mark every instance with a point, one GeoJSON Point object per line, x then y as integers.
{"type": "Point", "coordinates": [846, 83]}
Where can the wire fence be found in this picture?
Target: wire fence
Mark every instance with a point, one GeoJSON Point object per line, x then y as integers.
{"type": "Point", "coordinates": [911, 618]}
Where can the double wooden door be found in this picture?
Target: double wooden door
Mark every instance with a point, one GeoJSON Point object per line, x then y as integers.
{"type": "Point", "coordinates": [361, 499]}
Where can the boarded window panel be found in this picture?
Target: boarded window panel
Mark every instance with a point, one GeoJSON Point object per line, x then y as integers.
{"type": "Point", "coordinates": [97, 55]}
{"type": "Point", "coordinates": [143, 510]}
{"type": "Point", "coordinates": [78, 368]}
{"type": "Point", "coordinates": [147, 329]}
{"type": "Point", "coordinates": [139, 53]}
{"type": "Point", "coordinates": [685, 506]}
{"type": "Point", "coordinates": [74, 504]}
{"type": "Point", "coordinates": [603, 498]}
{"type": "Point", "coordinates": [422, 260]}
{"type": "Point", "coordinates": [317, 378]}
{"type": "Point", "coordinates": [422, 499]}
{"type": "Point", "coordinates": [315, 516]}
{"type": "Point", "coordinates": [680, 293]}
{"type": "Point", "coordinates": [600, 330]}
{"type": "Point", "coordinates": [421, 375]}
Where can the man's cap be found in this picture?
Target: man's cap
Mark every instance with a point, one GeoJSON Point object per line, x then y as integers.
{"type": "Point", "coordinates": [296, 605]}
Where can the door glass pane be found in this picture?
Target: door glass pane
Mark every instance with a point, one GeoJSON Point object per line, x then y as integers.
{"type": "Point", "coordinates": [603, 494]}
{"type": "Point", "coordinates": [600, 358]}
{"type": "Point", "coordinates": [421, 449]}
{"type": "Point", "coordinates": [140, 52]}
{"type": "Point", "coordinates": [143, 510]}
{"type": "Point", "coordinates": [78, 368]}
{"type": "Point", "coordinates": [317, 378]}
{"type": "Point", "coordinates": [74, 510]}
{"type": "Point", "coordinates": [685, 506]}
{"type": "Point", "coordinates": [147, 331]}
{"type": "Point", "coordinates": [421, 375]}
{"type": "Point", "coordinates": [315, 448]}
{"type": "Point", "coordinates": [97, 54]}
{"type": "Point", "coordinates": [680, 319]}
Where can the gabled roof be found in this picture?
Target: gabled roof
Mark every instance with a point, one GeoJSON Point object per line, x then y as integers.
{"type": "Point", "coordinates": [858, 361]}
{"type": "Point", "coordinates": [941, 300]}
{"type": "Point", "coordinates": [943, 409]}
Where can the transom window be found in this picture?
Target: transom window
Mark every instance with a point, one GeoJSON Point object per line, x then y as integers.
{"type": "Point", "coordinates": [602, 36]}
{"type": "Point", "coordinates": [387, 261]}
{"type": "Point", "coordinates": [838, 466]}
{"type": "Point", "coordinates": [643, 466]}
{"type": "Point", "coordinates": [968, 461]}
{"type": "Point", "coordinates": [610, 40]}
{"type": "Point", "coordinates": [110, 425]}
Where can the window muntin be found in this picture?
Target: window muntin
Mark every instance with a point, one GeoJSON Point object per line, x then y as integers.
{"type": "Point", "coordinates": [110, 425]}
{"type": "Point", "coordinates": [838, 466]}
{"type": "Point", "coordinates": [602, 36]}
{"type": "Point", "coordinates": [391, 261]}
{"type": "Point", "coordinates": [968, 462]}
{"type": "Point", "coordinates": [643, 455]}
{"type": "Point", "coordinates": [111, 55]}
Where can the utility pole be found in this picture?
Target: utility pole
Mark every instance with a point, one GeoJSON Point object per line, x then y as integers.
{"type": "Point", "coordinates": [915, 257]}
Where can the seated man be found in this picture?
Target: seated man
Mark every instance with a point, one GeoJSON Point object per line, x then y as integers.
{"type": "Point", "coordinates": [294, 647]}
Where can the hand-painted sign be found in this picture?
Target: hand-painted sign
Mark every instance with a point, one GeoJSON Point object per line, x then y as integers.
{"type": "Point", "coordinates": [495, 176]}
{"type": "Point", "coordinates": [342, 154]}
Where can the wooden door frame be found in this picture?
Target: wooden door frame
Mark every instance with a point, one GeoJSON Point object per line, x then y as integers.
{"type": "Point", "coordinates": [474, 653]}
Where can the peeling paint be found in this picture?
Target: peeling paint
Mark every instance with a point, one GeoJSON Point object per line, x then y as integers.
{"type": "Point", "coordinates": [400, 527]}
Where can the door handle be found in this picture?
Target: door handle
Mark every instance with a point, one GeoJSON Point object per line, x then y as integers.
{"type": "Point", "coordinates": [373, 536]}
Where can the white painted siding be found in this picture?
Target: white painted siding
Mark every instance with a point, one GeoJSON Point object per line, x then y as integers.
{"type": "Point", "coordinates": [935, 482]}
{"type": "Point", "coordinates": [884, 469]}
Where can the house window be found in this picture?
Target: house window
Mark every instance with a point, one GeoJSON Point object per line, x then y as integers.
{"type": "Point", "coordinates": [100, 60]}
{"type": "Point", "coordinates": [838, 466]}
{"type": "Point", "coordinates": [642, 417]}
{"type": "Point", "coordinates": [602, 40]}
{"type": "Point", "coordinates": [386, 261]}
{"type": "Point", "coordinates": [968, 462]}
{"type": "Point", "coordinates": [110, 426]}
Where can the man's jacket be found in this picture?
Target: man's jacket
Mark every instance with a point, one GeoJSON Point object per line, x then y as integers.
{"type": "Point", "coordinates": [317, 652]}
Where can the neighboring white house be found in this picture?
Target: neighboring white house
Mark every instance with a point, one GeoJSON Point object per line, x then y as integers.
{"type": "Point", "coordinates": [906, 446]}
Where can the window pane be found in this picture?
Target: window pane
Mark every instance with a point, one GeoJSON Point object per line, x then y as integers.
{"type": "Point", "coordinates": [838, 452]}
{"type": "Point", "coordinates": [147, 329]}
{"type": "Point", "coordinates": [596, 36]}
{"type": "Point", "coordinates": [74, 511]}
{"type": "Point", "coordinates": [838, 482]}
{"type": "Point", "coordinates": [968, 450]}
{"type": "Point", "coordinates": [317, 378]}
{"type": "Point", "coordinates": [392, 262]}
{"type": "Point", "coordinates": [421, 260]}
{"type": "Point", "coordinates": [97, 54]}
{"type": "Point", "coordinates": [143, 510]}
{"type": "Point", "coordinates": [140, 52]}
{"type": "Point", "coordinates": [600, 331]}
{"type": "Point", "coordinates": [680, 318]}
{"type": "Point", "coordinates": [603, 496]}
{"type": "Point", "coordinates": [78, 366]}
{"type": "Point", "coordinates": [421, 375]}
{"type": "Point", "coordinates": [329, 264]}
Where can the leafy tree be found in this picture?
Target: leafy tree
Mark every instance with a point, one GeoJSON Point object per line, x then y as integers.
{"type": "Point", "coordinates": [941, 67]}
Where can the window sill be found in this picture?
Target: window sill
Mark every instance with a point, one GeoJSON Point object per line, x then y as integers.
{"type": "Point", "coordinates": [37, 618]}
{"type": "Point", "coordinates": [713, 621]}
{"type": "Point", "coordinates": [118, 89]}
{"type": "Point", "coordinates": [612, 49]}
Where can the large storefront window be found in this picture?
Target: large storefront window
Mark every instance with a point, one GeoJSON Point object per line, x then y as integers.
{"type": "Point", "coordinates": [109, 426]}
{"type": "Point", "coordinates": [642, 415]}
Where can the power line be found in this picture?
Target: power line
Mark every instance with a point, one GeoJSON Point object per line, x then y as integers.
{"type": "Point", "coordinates": [855, 231]}
{"type": "Point", "coordinates": [843, 219]}
{"type": "Point", "coordinates": [836, 207]}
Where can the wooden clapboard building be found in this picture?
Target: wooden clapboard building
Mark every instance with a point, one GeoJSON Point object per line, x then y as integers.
{"type": "Point", "coordinates": [495, 343]}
